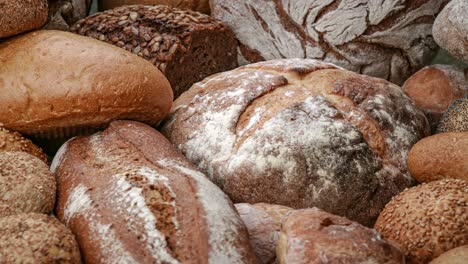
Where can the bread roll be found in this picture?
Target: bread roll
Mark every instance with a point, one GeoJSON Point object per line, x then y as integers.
{"type": "Point", "coordinates": [186, 46]}
{"type": "Point", "coordinates": [64, 13]}
{"type": "Point", "coordinates": [451, 29]}
{"type": "Point", "coordinates": [300, 133]}
{"type": "Point", "coordinates": [456, 117]}
{"type": "Point", "coordinates": [195, 5]}
{"type": "Point", "coordinates": [434, 88]}
{"type": "Point", "coordinates": [13, 141]}
{"type": "Point", "coordinates": [36, 238]}
{"type": "Point", "coordinates": [440, 156]}
{"type": "Point", "coordinates": [26, 184]}
{"type": "Point", "coordinates": [314, 236]}
{"type": "Point", "coordinates": [263, 222]}
{"type": "Point", "coordinates": [129, 196]}
{"type": "Point", "coordinates": [73, 84]}
{"type": "Point", "coordinates": [387, 39]}
{"type": "Point", "coordinates": [18, 16]}
{"type": "Point", "coordinates": [457, 255]}
{"type": "Point", "coordinates": [427, 220]}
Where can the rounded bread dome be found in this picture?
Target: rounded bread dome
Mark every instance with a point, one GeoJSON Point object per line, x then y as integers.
{"type": "Point", "coordinates": [13, 141]}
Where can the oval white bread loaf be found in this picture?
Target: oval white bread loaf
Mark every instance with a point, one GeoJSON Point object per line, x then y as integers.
{"type": "Point", "coordinates": [129, 196]}
{"type": "Point", "coordinates": [73, 84]}
{"type": "Point", "coordinates": [300, 133]}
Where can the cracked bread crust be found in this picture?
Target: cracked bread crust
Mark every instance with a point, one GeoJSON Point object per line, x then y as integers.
{"type": "Point", "coordinates": [129, 196]}
{"type": "Point", "coordinates": [300, 133]}
{"type": "Point", "coordinates": [385, 39]}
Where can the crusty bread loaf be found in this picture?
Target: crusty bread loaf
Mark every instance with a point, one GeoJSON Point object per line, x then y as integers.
{"type": "Point", "coordinates": [457, 255]}
{"type": "Point", "coordinates": [64, 13]}
{"type": "Point", "coordinates": [186, 46]}
{"type": "Point", "coordinates": [300, 133]}
{"type": "Point", "coordinates": [195, 5]}
{"type": "Point", "coordinates": [263, 222]}
{"type": "Point", "coordinates": [387, 39]}
{"type": "Point", "coordinates": [440, 156]}
{"type": "Point", "coordinates": [434, 88]}
{"type": "Point", "coordinates": [13, 141]}
{"type": "Point", "coordinates": [451, 29]}
{"type": "Point", "coordinates": [456, 117]}
{"type": "Point", "coordinates": [73, 84]}
{"type": "Point", "coordinates": [129, 196]}
{"type": "Point", "coordinates": [314, 236]}
{"type": "Point", "coordinates": [18, 16]}
{"type": "Point", "coordinates": [427, 220]}
{"type": "Point", "coordinates": [26, 184]}
{"type": "Point", "coordinates": [36, 238]}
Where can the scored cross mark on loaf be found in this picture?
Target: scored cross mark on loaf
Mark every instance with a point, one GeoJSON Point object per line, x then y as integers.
{"type": "Point", "coordinates": [388, 39]}
{"type": "Point", "coordinates": [300, 133]}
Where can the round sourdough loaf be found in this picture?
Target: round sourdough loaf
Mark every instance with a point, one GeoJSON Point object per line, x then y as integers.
{"type": "Point", "coordinates": [451, 29]}
{"type": "Point", "coordinates": [456, 117]}
{"type": "Point", "coordinates": [263, 222]}
{"type": "Point", "coordinates": [36, 238]}
{"type": "Point", "coordinates": [186, 46]}
{"type": "Point", "coordinates": [434, 88]}
{"type": "Point", "coordinates": [73, 84]}
{"type": "Point", "coordinates": [440, 156]}
{"type": "Point", "coordinates": [314, 236]}
{"type": "Point", "coordinates": [129, 196]}
{"type": "Point", "coordinates": [195, 5]}
{"type": "Point", "coordinates": [427, 220]}
{"type": "Point", "coordinates": [387, 39]}
{"type": "Point", "coordinates": [457, 255]}
{"type": "Point", "coordinates": [26, 184]}
{"type": "Point", "coordinates": [13, 141]}
{"type": "Point", "coordinates": [300, 133]}
{"type": "Point", "coordinates": [18, 16]}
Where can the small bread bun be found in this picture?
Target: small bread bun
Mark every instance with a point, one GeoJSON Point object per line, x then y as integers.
{"type": "Point", "coordinates": [26, 184]}
{"type": "Point", "coordinates": [36, 238]}
{"type": "Point", "coordinates": [427, 220]}
{"type": "Point", "coordinates": [13, 141]}
{"type": "Point", "coordinates": [457, 255]}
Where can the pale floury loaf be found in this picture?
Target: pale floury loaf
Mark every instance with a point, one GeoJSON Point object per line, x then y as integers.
{"type": "Point", "coordinates": [300, 133]}
{"type": "Point", "coordinates": [389, 39]}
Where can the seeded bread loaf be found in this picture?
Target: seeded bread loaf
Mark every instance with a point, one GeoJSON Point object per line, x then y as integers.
{"type": "Point", "coordinates": [300, 133]}
{"type": "Point", "coordinates": [434, 88]}
{"type": "Point", "coordinates": [387, 39]}
{"type": "Point", "coordinates": [186, 46]}
{"type": "Point", "coordinates": [26, 184]}
{"type": "Point", "coordinates": [18, 16]}
{"type": "Point", "coordinates": [129, 196]}
{"type": "Point", "coordinates": [73, 84]}
{"type": "Point", "coordinates": [314, 236]}
{"type": "Point", "coordinates": [36, 238]}
{"type": "Point", "coordinates": [427, 220]}
{"type": "Point", "coordinates": [195, 5]}
{"type": "Point", "coordinates": [13, 141]}
{"type": "Point", "coordinates": [65, 13]}
{"type": "Point", "coordinates": [456, 117]}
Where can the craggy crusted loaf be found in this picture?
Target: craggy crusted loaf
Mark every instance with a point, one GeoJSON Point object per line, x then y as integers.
{"type": "Point", "coordinates": [388, 39]}
{"type": "Point", "coordinates": [129, 196]}
{"type": "Point", "coordinates": [300, 133]}
{"type": "Point", "coordinates": [186, 46]}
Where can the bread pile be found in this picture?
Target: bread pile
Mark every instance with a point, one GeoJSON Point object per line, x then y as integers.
{"type": "Point", "coordinates": [285, 160]}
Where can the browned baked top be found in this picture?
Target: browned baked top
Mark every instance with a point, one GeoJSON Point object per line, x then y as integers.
{"type": "Point", "coordinates": [18, 16]}
{"type": "Point", "coordinates": [13, 141]}
{"type": "Point", "coordinates": [300, 133]}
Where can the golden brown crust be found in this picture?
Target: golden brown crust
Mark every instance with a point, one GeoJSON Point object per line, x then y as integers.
{"type": "Point", "coordinates": [440, 156]}
{"type": "Point", "coordinates": [36, 238]}
{"type": "Point", "coordinates": [13, 141]}
{"type": "Point", "coordinates": [314, 236]}
{"type": "Point", "coordinates": [202, 6]}
{"type": "Point", "coordinates": [74, 83]}
{"type": "Point", "coordinates": [427, 220]}
{"type": "Point", "coordinates": [18, 16]}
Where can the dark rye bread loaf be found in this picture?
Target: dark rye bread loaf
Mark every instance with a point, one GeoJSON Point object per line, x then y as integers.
{"type": "Point", "coordinates": [387, 39]}
{"type": "Point", "coordinates": [18, 16]}
{"type": "Point", "coordinates": [300, 133]}
{"type": "Point", "coordinates": [186, 46]}
{"type": "Point", "coordinates": [195, 5]}
{"type": "Point", "coordinates": [129, 196]}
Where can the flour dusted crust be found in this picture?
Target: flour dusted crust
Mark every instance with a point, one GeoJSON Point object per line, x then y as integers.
{"type": "Point", "coordinates": [389, 39]}
{"type": "Point", "coordinates": [129, 196]}
{"type": "Point", "coordinates": [300, 133]}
